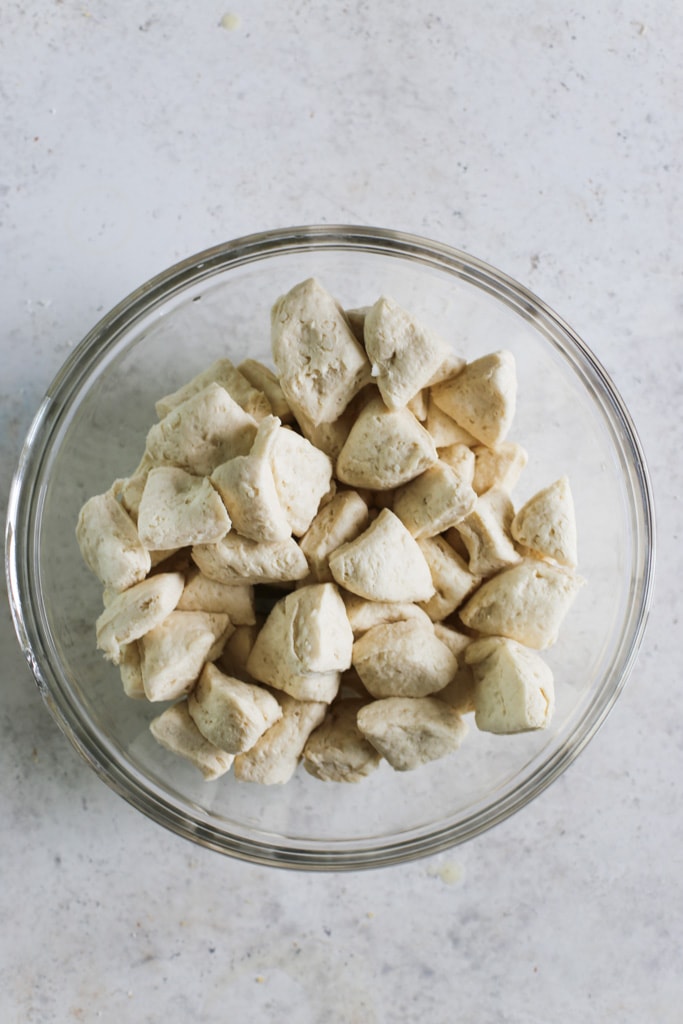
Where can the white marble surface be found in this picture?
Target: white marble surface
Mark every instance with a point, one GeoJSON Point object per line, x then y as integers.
{"type": "Point", "coordinates": [542, 137]}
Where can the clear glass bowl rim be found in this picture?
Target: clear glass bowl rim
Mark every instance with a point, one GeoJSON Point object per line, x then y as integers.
{"type": "Point", "coordinates": [23, 525]}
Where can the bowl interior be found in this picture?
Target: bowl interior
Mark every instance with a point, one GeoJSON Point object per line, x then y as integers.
{"type": "Point", "coordinates": [92, 430]}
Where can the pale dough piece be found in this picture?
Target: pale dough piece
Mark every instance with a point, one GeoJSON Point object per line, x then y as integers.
{"type": "Point", "coordinates": [178, 509]}
{"type": "Point", "coordinates": [229, 713]}
{"type": "Point", "coordinates": [131, 672]}
{"type": "Point", "coordinates": [363, 614]}
{"type": "Point", "coordinates": [274, 757]}
{"type": "Point", "coordinates": [419, 404]}
{"type": "Point", "coordinates": [485, 532]}
{"type": "Point", "coordinates": [302, 475]}
{"type": "Point", "coordinates": [356, 320]}
{"type": "Point", "coordinates": [236, 651]}
{"type": "Point", "coordinates": [337, 751]}
{"type": "Point", "coordinates": [546, 524]}
{"type": "Point", "coordinates": [452, 579]}
{"type": "Point", "coordinates": [228, 376]}
{"type": "Point", "coordinates": [131, 488]}
{"type": "Point", "coordinates": [202, 432]}
{"type": "Point", "coordinates": [455, 641]}
{"type": "Point", "coordinates": [459, 694]}
{"type": "Point", "coordinates": [403, 659]}
{"type": "Point", "coordinates": [498, 467]}
{"type": "Point", "coordinates": [135, 611]}
{"type": "Point", "coordinates": [109, 543]}
{"type": "Point", "coordinates": [443, 429]}
{"type": "Point", "coordinates": [173, 653]}
{"type": "Point", "coordinates": [263, 379]}
{"type": "Point", "coordinates": [514, 689]}
{"type": "Point", "coordinates": [320, 363]}
{"type": "Point", "coordinates": [247, 486]}
{"type": "Point", "coordinates": [459, 457]}
{"type": "Point", "coordinates": [236, 559]}
{"type": "Point", "coordinates": [331, 437]}
{"type": "Point", "coordinates": [482, 397]}
{"type": "Point", "coordinates": [436, 500]}
{"type": "Point", "coordinates": [526, 603]}
{"type": "Point", "coordinates": [404, 354]}
{"type": "Point", "coordinates": [204, 595]}
{"type": "Point", "coordinates": [384, 563]}
{"type": "Point", "coordinates": [411, 731]}
{"type": "Point", "coordinates": [385, 448]}
{"type": "Point", "coordinates": [342, 519]}
{"type": "Point", "coordinates": [175, 731]}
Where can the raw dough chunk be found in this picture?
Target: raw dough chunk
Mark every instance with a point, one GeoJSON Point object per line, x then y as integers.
{"type": "Point", "coordinates": [236, 559]}
{"type": "Point", "coordinates": [526, 603]}
{"type": "Point", "coordinates": [130, 671]}
{"type": "Point", "coordinates": [410, 732]}
{"type": "Point", "coordinates": [513, 686]}
{"type": "Point", "coordinates": [204, 595]}
{"type": "Point", "coordinates": [178, 509]}
{"type": "Point", "coordinates": [498, 467]}
{"type": "Point", "coordinates": [452, 579]}
{"type": "Point", "coordinates": [202, 432]}
{"type": "Point", "coordinates": [302, 475]}
{"type": "Point", "coordinates": [485, 532]}
{"type": "Point", "coordinates": [482, 397]}
{"type": "Point", "coordinates": [229, 377]}
{"type": "Point", "coordinates": [385, 448]}
{"type": "Point", "coordinates": [131, 614]}
{"type": "Point", "coordinates": [460, 458]}
{"type": "Point", "coordinates": [274, 757]}
{"type": "Point", "coordinates": [405, 356]}
{"type": "Point", "coordinates": [173, 653]}
{"type": "Point", "coordinates": [363, 614]}
{"type": "Point", "coordinates": [445, 431]}
{"type": "Point", "coordinates": [383, 564]}
{"type": "Point", "coordinates": [229, 713]}
{"type": "Point", "coordinates": [438, 499]}
{"type": "Point", "coordinates": [319, 361]}
{"type": "Point", "coordinates": [110, 544]}
{"type": "Point", "coordinates": [546, 525]}
{"type": "Point", "coordinates": [403, 659]}
{"type": "Point", "coordinates": [175, 731]}
{"type": "Point", "coordinates": [263, 379]}
{"type": "Point", "coordinates": [337, 751]}
{"type": "Point", "coordinates": [342, 519]}
{"type": "Point", "coordinates": [236, 651]}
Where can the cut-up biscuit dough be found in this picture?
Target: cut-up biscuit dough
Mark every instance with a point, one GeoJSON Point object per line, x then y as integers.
{"type": "Point", "coordinates": [202, 432]}
{"type": "Point", "coordinates": [109, 543]}
{"type": "Point", "coordinates": [433, 502]}
{"type": "Point", "coordinates": [342, 519]}
{"type": "Point", "coordinates": [403, 659]}
{"type": "Point", "coordinates": [485, 532]}
{"type": "Point", "coordinates": [405, 355]}
{"type": "Point", "coordinates": [526, 603]}
{"type": "Point", "coordinates": [384, 563]}
{"type": "Point", "coordinates": [459, 457]}
{"type": "Point", "coordinates": [320, 363]}
{"type": "Point", "coordinates": [274, 757]}
{"type": "Point", "coordinates": [385, 448]}
{"type": "Point", "coordinates": [178, 509]}
{"type": "Point", "coordinates": [130, 671]}
{"type": "Point", "coordinates": [499, 467]}
{"type": "Point", "coordinates": [236, 650]}
{"type": "Point", "coordinates": [263, 379]}
{"type": "Point", "coordinates": [451, 577]}
{"type": "Point", "coordinates": [173, 653]}
{"type": "Point", "coordinates": [331, 437]}
{"type": "Point", "coordinates": [363, 614]}
{"type": "Point", "coordinates": [229, 713]}
{"type": "Point", "coordinates": [135, 611]}
{"type": "Point", "coordinates": [175, 731]}
{"type": "Point", "coordinates": [230, 377]}
{"type": "Point", "coordinates": [201, 594]}
{"type": "Point", "coordinates": [514, 689]}
{"type": "Point", "coordinates": [546, 525]}
{"type": "Point", "coordinates": [337, 751]}
{"type": "Point", "coordinates": [236, 559]}
{"type": "Point", "coordinates": [409, 732]}
{"type": "Point", "coordinates": [302, 475]}
{"type": "Point", "coordinates": [482, 397]}
{"type": "Point", "coordinates": [443, 429]}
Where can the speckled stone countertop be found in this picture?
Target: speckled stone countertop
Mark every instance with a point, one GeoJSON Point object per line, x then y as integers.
{"type": "Point", "coordinates": [541, 137]}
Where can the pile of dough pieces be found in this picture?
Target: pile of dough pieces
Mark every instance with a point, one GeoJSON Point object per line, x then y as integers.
{"type": "Point", "coordinates": [324, 564]}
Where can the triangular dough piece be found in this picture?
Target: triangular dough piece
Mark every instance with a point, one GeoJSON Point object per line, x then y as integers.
{"type": "Point", "coordinates": [482, 397]}
{"type": "Point", "coordinates": [385, 448]}
{"type": "Point", "coordinates": [546, 524]}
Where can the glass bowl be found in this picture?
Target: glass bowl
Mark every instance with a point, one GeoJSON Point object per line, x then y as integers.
{"type": "Point", "coordinates": [90, 430]}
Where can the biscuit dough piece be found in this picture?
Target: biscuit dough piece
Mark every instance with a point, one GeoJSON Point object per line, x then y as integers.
{"type": "Point", "coordinates": [482, 397]}
{"type": "Point", "coordinates": [409, 732]}
{"type": "Point", "coordinates": [229, 713]}
{"type": "Point", "coordinates": [131, 672]}
{"type": "Point", "coordinates": [337, 751]}
{"type": "Point", "coordinates": [459, 457]}
{"type": "Point", "coordinates": [356, 320]}
{"type": "Point", "coordinates": [236, 559]}
{"type": "Point", "coordinates": [514, 689]}
{"type": "Point", "coordinates": [130, 490]}
{"type": "Point", "coordinates": [302, 475]}
{"type": "Point", "coordinates": [363, 614]}
{"type": "Point", "coordinates": [263, 379]}
{"type": "Point", "coordinates": [433, 502]}
{"type": "Point", "coordinates": [247, 487]}
{"type": "Point", "coordinates": [452, 579]}
{"type": "Point", "coordinates": [132, 613]}
{"type": "Point", "coordinates": [418, 405]}
{"type": "Point", "coordinates": [274, 757]}
{"type": "Point", "coordinates": [444, 430]}
{"type": "Point", "coordinates": [236, 650]}
{"type": "Point", "coordinates": [178, 509]}
{"type": "Point", "coordinates": [204, 595]}
{"type": "Point", "coordinates": [499, 467]}
{"type": "Point", "coordinates": [109, 543]}
{"type": "Point", "coordinates": [175, 731]}
{"type": "Point", "coordinates": [223, 372]}
{"type": "Point", "coordinates": [546, 524]}
{"type": "Point", "coordinates": [405, 356]}
{"type": "Point", "coordinates": [173, 653]}
{"type": "Point", "coordinates": [485, 532]}
{"type": "Point", "coordinates": [403, 659]}
{"type": "Point", "coordinates": [383, 564]}
{"type": "Point", "coordinates": [385, 448]}
{"type": "Point", "coordinates": [342, 519]}
{"type": "Point", "coordinates": [320, 363]}
{"type": "Point", "coordinates": [526, 603]}
{"type": "Point", "coordinates": [202, 432]}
